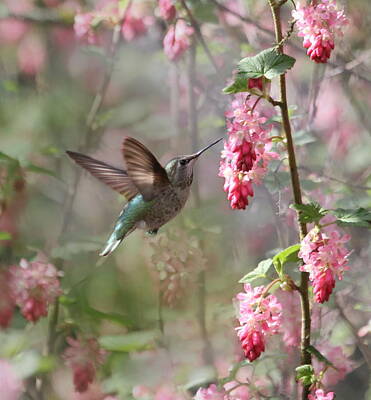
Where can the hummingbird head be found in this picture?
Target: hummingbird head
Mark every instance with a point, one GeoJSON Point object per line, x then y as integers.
{"type": "Point", "coordinates": [180, 169]}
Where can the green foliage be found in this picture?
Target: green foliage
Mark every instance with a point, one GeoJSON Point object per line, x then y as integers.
{"type": "Point", "coordinates": [288, 255]}
{"type": "Point", "coordinates": [305, 374]}
{"type": "Point", "coordinates": [133, 341]}
{"type": "Point", "coordinates": [308, 213]}
{"type": "Point", "coordinates": [268, 64]}
{"type": "Point", "coordinates": [358, 217]}
{"type": "Point", "coordinates": [259, 272]}
{"type": "Point", "coordinates": [5, 236]}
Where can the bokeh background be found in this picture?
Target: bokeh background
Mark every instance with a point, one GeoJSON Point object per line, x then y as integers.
{"type": "Point", "coordinates": [48, 83]}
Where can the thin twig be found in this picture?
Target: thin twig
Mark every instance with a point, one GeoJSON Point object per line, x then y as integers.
{"type": "Point", "coordinates": [295, 183]}
{"type": "Point", "coordinates": [199, 35]}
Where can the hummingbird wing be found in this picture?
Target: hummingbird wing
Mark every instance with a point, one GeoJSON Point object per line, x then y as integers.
{"type": "Point", "coordinates": [115, 178]}
{"type": "Point", "coordinates": [142, 167]}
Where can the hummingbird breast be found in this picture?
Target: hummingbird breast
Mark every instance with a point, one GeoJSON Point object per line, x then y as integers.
{"type": "Point", "coordinates": [167, 205]}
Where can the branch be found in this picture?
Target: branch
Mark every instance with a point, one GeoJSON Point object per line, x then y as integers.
{"type": "Point", "coordinates": [295, 183]}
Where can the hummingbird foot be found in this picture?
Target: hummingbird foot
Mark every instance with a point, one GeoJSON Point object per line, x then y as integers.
{"type": "Point", "coordinates": [152, 232]}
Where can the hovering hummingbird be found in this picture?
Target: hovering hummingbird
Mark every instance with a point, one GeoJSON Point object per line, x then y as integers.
{"type": "Point", "coordinates": [155, 194]}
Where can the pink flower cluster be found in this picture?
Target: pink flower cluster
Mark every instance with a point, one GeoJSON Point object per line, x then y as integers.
{"type": "Point", "coordinates": [167, 9]}
{"type": "Point", "coordinates": [10, 384]}
{"type": "Point", "coordinates": [135, 22]}
{"type": "Point", "coordinates": [246, 153]}
{"type": "Point", "coordinates": [321, 395]}
{"type": "Point", "coordinates": [34, 285]}
{"type": "Point", "coordinates": [83, 356]}
{"type": "Point", "coordinates": [325, 257]}
{"type": "Point", "coordinates": [258, 317]}
{"type": "Point", "coordinates": [177, 39]}
{"type": "Point", "coordinates": [319, 24]}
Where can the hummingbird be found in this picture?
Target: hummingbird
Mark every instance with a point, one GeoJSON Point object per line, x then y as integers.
{"type": "Point", "coordinates": [155, 194]}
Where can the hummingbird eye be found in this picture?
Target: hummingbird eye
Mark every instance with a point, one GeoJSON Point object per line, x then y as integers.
{"type": "Point", "coordinates": [183, 162]}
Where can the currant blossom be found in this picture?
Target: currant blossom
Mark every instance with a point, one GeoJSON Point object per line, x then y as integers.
{"type": "Point", "coordinates": [325, 258]}
{"type": "Point", "coordinates": [83, 27]}
{"type": "Point", "coordinates": [167, 9]}
{"type": "Point", "coordinates": [211, 393]}
{"type": "Point", "coordinates": [31, 55]}
{"type": "Point", "coordinates": [136, 22]}
{"type": "Point", "coordinates": [246, 153]}
{"type": "Point", "coordinates": [319, 23]}
{"type": "Point", "coordinates": [177, 39]}
{"type": "Point", "coordinates": [10, 384]}
{"type": "Point", "coordinates": [34, 286]}
{"type": "Point", "coordinates": [259, 318]}
{"type": "Point", "coordinates": [321, 395]}
{"type": "Point", "coordinates": [83, 357]}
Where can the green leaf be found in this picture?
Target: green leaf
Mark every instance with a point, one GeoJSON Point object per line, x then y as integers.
{"type": "Point", "coordinates": [5, 236]}
{"type": "Point", "coordinates": [239, 85]}
{"type": "Point", "coordinates": [305, 374]}
{"type": "Point", "coordinates": [268, 63]}
{"type": "Point", "coordinates": [320, 357]}
{"type": "Point", "coordinates": [288, 255]}
{"type": "Point", "coordinates": [359, 217]}
{"type": "Point", "coordinates": [113, 317]}
{"type": "Point", "coordinates": [134, 341]}
{"type": "Point", "coordinates": [40, 170]}
{"type": "Point", "coordinates": [259, 272]}
{"type": "Point", "coordinates": [311, 212]}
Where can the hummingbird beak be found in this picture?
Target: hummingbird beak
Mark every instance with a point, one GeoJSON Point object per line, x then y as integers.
{"type": "Point", "coordinates": [196, 155]}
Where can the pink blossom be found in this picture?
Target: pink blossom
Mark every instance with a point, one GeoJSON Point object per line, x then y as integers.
{"type": "Point", "coordinates": [321, 395]}
{"type": "Point", "coordinates": [162, 392]}
{"type": "Point", "coordinates": [343, 365]}
{"type": "Point", "coordinates": [10, 384]}
{"type": "Point", "coordinates": [83, 27]}
{"type": "Point", "coordinates": [177, 39]}
{"type": "Point", "coordinates": [83, 356]}
{"type": "Point", "coordinates": [12, 30]}
{"type": "Point", "coordinates": [325, 258]}
{"type": "Point", "coordinates": [259, 318]}
{"type": "Point", "coordinates": [136, 22]}
{"type": "Point", "coordinates": [6, 300]}
{"type": "Point", "coordinates": [34, 285]}
{"type": "Point", "coordinates": [31, 55]}
{"type": "Point", "coordinates": [291, 317]}
{"type": "Point", "coordinates": [319, 23]}
{"type": "Point", "coordinates": [167, 9]}
{"type": "Point", "coordinates": [246, 153]}
{"type": "Point", "coordinates": [211, 393]}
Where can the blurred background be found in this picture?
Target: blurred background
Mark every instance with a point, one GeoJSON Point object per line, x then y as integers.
{"type": "Point", "coordinates": [162, 306]}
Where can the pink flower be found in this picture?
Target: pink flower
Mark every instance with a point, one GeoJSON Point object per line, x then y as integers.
{"type": "Point", "coordinates": [177, 39]}
{"type": "Point", "coordinates": [319, 24]}
{"type": "Point", "coordinates": [83, 356]}
{"type": "Point", "coordinates": [31, 55]}
{"type": "Point", "coordinates": [246, 153]}
{"type": "Point", "coordinates": [321, 395]}
{"type": "Point", "coordinates": [34, 285]}
{"type": "Point", "coordinates": [259, 318]}
{"type": "Point", "coordinates": [83, 27]}
{"type": "Point", "coordinates": [136, 22]}
{"type": "Point", "coordinates": [291, 319]}
{"type": "Point", "coordinates": [6, 300]}
{"type": "Point", "coordinates": [167, 9]}
{"type": "Point", "coordinates": [12, 30]}
{"type": "Point", "coordinates": [325, 257]}
{"type": "Point", "coordinates": [10, 384]}
{"type": "Point", "coordinates": [210, 393]}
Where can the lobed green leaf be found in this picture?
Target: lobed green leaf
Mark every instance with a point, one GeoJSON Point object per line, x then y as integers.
{"type": "Point", "coordinates": [259, 272]}
{"type": "Point", "coordinates": [290, 254]}
{"type": "Point", "coordinates": [347, 217]}
{"type": "Point", "coordinates": [308, 213]}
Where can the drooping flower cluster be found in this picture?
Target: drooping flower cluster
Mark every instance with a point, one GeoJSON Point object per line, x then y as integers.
{"type": "Point", "coordinates": [177, 39]}
{"type": "Point", "coordinates": [259, 317]}
{"type": "Point", "coordinates": [325, 257]}
{"type": "Point", "coordinates": [176, 259]}
{"type": "Point", "coordinates": [34, 286]}
{"type": "Point", "coordinates": [83, 357]}
{"type": "Point", "coordinates": [135, 22]}
{"type": "Point", "coordinates": [10, 384]}
{"type": "Point", "coordinates": [246, 152]}
{"type": "Point", "coordinates": [321, 395]}
{"type": "Point", "coordinates": [167, 9]}
{"type": "Point", "coordinates": [319, 23]}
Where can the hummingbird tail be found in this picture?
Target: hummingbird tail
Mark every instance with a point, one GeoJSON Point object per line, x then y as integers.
{"type": "Point", "coordinates": [110, 247]}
